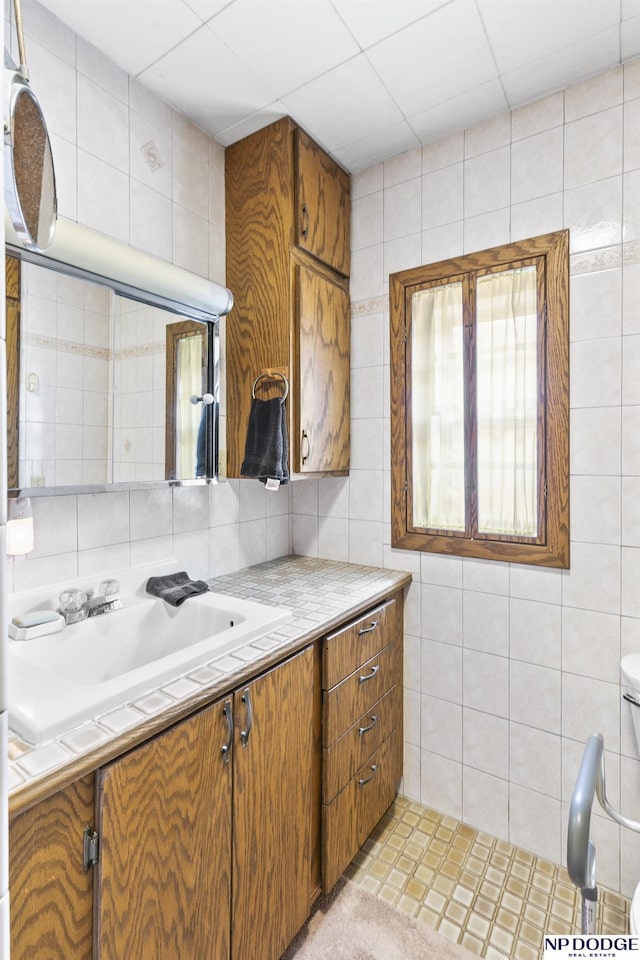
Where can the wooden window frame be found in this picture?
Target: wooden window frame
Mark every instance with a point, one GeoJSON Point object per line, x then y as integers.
{"type": "Point", "coordinates": [550, 548]}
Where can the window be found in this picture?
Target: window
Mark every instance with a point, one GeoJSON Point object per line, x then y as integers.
{"type": "Point", "coordinates": [480, 404]}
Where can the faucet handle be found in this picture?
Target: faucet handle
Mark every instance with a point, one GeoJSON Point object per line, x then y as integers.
{"type": "Point", "coordinates": [109, 588]}
{"type": "Point", "coordinates": [71, 600]}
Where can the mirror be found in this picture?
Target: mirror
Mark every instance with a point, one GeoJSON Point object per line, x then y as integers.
{"type": "Point", "coordinates": [104, 388]}
{"type": "Point", "coordinates": [30, 186]}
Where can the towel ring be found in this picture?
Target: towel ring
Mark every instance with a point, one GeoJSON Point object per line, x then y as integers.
{"type": "Point", "coordinates": [271, 376]}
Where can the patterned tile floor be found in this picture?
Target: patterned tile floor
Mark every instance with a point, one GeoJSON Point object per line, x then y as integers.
{"type": "Point", "coordinates": [493, 898]}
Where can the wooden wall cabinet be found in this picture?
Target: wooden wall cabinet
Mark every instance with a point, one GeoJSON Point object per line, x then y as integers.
{"type": "Point", "coordinates": [288, 262]}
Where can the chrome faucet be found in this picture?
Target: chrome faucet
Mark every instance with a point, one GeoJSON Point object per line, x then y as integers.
{"type": "Point", "coordinates": [76, 605]}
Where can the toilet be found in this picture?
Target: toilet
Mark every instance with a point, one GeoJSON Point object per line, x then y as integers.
{"type": "Point", "coordinates": [630, 670]}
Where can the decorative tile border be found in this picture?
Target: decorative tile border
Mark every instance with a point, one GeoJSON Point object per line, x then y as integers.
{"type": "Point", "coordinates": [604, 259]}
{"type": "Point", "coordinates": [65, 346]}
{"type": "Point", "coordinates": [365, 308]}
{"type": "Point", "coordinates": [153, 348]}
{"type": "Point", "coordinates": [89, 350]}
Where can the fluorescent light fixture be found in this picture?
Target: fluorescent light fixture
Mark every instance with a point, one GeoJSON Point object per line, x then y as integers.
{"type": "Point", "coordinates": [77, 250]}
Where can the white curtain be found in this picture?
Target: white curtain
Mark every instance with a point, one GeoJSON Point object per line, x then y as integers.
{"type": "Point", "coordinates": [438, 408]}
{"type": "Point", "coordinates": [189, 382]}
{"type": "Point", "coordinates": [507, 393]}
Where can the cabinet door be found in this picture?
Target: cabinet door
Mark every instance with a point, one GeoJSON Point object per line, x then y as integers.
{"type": "Point", "coordinates": [164, 818]}
{"type": "Point", "coordinates": [323, 205]}
{"type": "Point", "coordinates": [274, 801]}
{"type": "Point", "coordinates": [324, 334]}
{"type": "Point", "coordinates": [51, 894]}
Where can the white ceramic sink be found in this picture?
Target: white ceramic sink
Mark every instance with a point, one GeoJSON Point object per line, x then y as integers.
{"type": "Point", "coordinates": [60, 680]}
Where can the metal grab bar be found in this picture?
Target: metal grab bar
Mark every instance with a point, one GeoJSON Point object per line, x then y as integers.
{"type": "Point", "coordinates": [581, 851]}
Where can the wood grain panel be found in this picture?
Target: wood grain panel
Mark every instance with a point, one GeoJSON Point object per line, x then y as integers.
{"type": "Point", "coordinates": [259, 233]}
{"type": "Point", "coordinates": [165, 860]}
{"type": "Point", "coordinates": [323, 372]}
{"type": "Point", "coordinates": [346, 755]}
{"type": "Point", "coordinates": [347, 701]}
{"type": "Point", "coordinates": [316, 778]}
{"type": "Point", "coordinates": [323, 205]}
{"type": "Point", "coordinates": [344, 650]}
{"type": "Point", "coordinates": [51, 895]}
{"type": "Point", "coordinates": [348, 821]}
{"type": "Point", "coordinates": [13, 289]}
{"type": "Point", "coordinates": [273, 811]}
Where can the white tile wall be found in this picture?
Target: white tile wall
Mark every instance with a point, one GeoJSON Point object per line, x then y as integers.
{"type": "Point", "coordinates": [515, 666]}
{"type": "Point", "coordinates": [129, 166]}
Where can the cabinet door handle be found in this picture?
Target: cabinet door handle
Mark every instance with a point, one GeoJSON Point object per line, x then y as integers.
{"type": "Point", "coordinates": [374, 670]}
{"type": "Point", "coordinates": [304, 223]}
{"type": "Point", "coordinates": [362, 730]}
{"type": "Point", "coordinates": [369, 779]}
{"type": "Point", "coordinates": [374, 624]}
{"type": "Point", "coordinates": [244, 734]}
{"type": "Point", "coordinates": [228, 746]}
{"type": "Point", "coordinates": [305, 456]}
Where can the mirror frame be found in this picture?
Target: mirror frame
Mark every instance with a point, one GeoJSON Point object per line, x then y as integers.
{"type": "Point", "coordinates": [83, 253]}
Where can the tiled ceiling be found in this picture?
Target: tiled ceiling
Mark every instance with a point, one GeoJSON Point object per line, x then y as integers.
{"type": "Point", "coordinates": [367, 78]}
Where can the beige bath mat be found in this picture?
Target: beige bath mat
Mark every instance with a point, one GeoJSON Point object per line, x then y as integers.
{"type": "Point", "coordinates": [352, 924]}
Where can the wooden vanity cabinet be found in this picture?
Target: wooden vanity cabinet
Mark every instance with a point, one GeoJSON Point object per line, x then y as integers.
{"type": "Point", "coordinates": [163, 880]}
{"type": "Point", "coordinates": [208, 853]}
{"type": "Point", "coordinates": [216, 836]}
{"type": "Point", "coordinates": [275, 866]}
{"type": "Point", "coordinates": [51, 893]}
{"type": "Point", "coordinates": [361, 732]}
{"type": "Point", "coordinates": [288, 261]}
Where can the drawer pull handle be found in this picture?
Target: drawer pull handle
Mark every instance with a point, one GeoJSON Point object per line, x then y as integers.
{"type": "Point", "coordinates": [374, 670]}
{"type": "Point", "coordinates": [368, 779]}
{"type": "Point", "coordinates": [304, 222]}
{"type": "Point", "coordinates": [374, 624]}
{"type": "Point", "coordinates": [362, 730]}
{"type": "Point", "coordinates": [228, 746]}
{"type": "Point", "coordinates": [244, 734]}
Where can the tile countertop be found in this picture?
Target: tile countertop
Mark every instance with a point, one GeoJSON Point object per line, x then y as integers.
{"type": "Point", "coordinates": [322, 593]}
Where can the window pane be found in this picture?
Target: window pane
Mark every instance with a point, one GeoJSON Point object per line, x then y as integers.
{"type": "Point", "coordinates": [438, 408]}
{"type": "Point", "coordinates": [507, 385]}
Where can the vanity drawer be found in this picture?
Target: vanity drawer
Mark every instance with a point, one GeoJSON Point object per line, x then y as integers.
{"type": "Point", "coordinates": [348, 821]}
{"type": "Point", "coordinates": [347, 754]}
{"type": "Point", "coordinates": [344, 650]}
{"type": "Point", "coordinates": [350, 699]}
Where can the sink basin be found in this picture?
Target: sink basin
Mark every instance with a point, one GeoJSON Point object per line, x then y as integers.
{"type": "Point", "coordinates": [60, 680]}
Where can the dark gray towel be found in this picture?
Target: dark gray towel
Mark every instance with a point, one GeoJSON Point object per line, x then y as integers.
{"type": "Point", "coordinates": [175, 588]}
{"type": "Point", "coordinates": [267, 448]}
